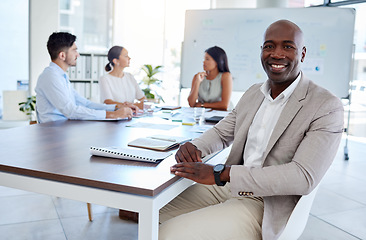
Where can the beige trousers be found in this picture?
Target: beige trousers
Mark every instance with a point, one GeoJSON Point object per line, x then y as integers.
{"type": "Point", "coordinates": [205, 212]}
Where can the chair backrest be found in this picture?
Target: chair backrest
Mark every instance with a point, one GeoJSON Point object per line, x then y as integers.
{"type": "Point", "coordinates": [37, 117]}
{"type": "Point", "coordinates": [299, 217]}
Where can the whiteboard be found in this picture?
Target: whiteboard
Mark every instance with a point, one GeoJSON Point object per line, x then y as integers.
{"type": "Point", "coordinates": [328, 34]}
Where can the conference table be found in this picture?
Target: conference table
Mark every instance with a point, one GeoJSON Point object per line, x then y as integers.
{"type": "Point", "coordinates": [54, 159]}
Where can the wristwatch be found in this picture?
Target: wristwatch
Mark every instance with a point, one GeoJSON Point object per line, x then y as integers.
{"type": "Point", "coordinates": [217, 170]}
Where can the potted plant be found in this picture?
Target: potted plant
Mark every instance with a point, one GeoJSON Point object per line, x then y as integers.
{"type": "Point", "coordinates": [149, 80]}
{"type": "Point", "coordinates": [29, 107]}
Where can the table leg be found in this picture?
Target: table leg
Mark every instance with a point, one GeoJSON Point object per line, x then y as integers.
{"type": "Point", "coordinates": [148, 224]}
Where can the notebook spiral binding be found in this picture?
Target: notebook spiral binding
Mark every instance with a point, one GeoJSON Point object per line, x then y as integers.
{"type": "Point", "coordinates": [129, 154]}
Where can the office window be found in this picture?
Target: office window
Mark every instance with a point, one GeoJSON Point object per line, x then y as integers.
{"type": "Point", "coordinates": [357, 124]}
{"type": "Point", "coordinates": [14, 65]}
{"type": "Point", "coordinates": [153, 32]}
{"type": "Point", "coordinates": [344, 1]}
{"type": "Point", "coordinates": [309, 3]}
{"type": "Point", "coordinates": [332, 3]}
{"type": "Point", "coordinates": [174, 35]}
{"type": "Point", "coordinates": [90, 21]}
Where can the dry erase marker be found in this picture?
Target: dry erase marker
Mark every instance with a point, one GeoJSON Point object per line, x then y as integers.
{"type": "Point", "coordinates": [173, 113]}
{"type": "Point", "coordinates": [188, 123]}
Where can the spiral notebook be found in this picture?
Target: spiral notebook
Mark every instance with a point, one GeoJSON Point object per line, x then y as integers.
{"type": "Point", "coordinates": [130, 154]}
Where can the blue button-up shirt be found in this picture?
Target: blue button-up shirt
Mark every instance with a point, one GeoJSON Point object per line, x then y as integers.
{"type": "Point", "coordinates": [57, 100]}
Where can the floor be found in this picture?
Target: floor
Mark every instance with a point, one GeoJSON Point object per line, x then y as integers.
{"type": "Point", "coordinates": [338, 212]}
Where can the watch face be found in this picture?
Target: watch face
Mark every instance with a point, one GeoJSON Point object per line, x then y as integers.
{"type": "Point", "coordinates": [219, 167]}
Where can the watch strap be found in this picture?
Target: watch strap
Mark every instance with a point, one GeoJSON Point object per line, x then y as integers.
{"type": "Point", "coordinates": [217, 178]}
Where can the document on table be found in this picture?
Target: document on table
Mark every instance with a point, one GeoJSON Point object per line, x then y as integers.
{"type": "Point", "coordinates": [158, 142]}
{"type": "Point", "coordinates": [153, 125]}
{"type": "Point", "coordinates": [200, 128]}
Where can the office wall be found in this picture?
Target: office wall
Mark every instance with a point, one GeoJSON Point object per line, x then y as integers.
{"type": "Point", "coordinates": [43, 20]}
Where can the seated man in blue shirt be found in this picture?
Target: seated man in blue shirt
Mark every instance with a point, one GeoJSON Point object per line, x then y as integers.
{"type": "Point", "coordinates": [56, 98]}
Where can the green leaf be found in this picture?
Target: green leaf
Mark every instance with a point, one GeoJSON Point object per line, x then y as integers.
{"type": "Point", "coordinates": [149, 80]}
{"type": "Point", "coordinates": [148, 69]}
{"type": "Point", "coordinates": [156, 70]}
{"type": "Point", "coordinates": [150, 96]}
{"type": "Point", "coordinates": [28, 106]}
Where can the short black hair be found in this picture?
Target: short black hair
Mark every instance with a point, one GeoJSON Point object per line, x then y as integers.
{"type": "Point", "coordinates": [58, 42]}
{"type": "Point", "coordinates": [219, 55]}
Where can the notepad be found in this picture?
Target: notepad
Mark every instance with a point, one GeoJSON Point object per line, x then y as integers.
{"type": "Point", "coordinates": [158, 142]}
{"type": "Point", "coordinates": [130, 154]}
{"type": "Point", "coordinates": [170, 107]}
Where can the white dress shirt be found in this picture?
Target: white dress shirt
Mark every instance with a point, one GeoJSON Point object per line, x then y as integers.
{"type": "Point", "coordinates": [57, 100]}
{"type": "Point", "coordinates": [264, 122]}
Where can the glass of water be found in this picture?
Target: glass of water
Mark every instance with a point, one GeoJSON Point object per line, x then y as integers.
{"type": "Point", "coordinates": [198, 114]}
{"type": "Point", "coordinates": [148, 108]}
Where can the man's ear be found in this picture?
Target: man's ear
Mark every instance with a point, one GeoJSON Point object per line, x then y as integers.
{"type": "Point", "coordinates": [303, 52]}
{"type": "Point", "coordinates": [62, 56]}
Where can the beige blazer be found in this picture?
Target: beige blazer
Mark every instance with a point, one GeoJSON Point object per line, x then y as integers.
{"type": "Point", "coordinates": [301, 148]}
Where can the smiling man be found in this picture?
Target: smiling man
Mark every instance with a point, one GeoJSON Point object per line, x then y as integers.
{"type": "Point", "coordinates": [282, 52]}
{"type": "Point", "coordinates": [284, 133]}
{"type": "Point", "coordinates": [56, 98]}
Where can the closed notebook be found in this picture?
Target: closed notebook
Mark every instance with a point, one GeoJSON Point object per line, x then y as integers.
{"type": "Point", "coordinates": [130, 154]}
{"type": "Point", "coordinates": [170, 107]}
{"type": "Point", "coordinates": [158, 142]}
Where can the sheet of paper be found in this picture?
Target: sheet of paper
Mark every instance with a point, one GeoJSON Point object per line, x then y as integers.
{"type": "Point", "coordinates": [200, 128]}
{"type": "Point", "coordinates": [153, 125]}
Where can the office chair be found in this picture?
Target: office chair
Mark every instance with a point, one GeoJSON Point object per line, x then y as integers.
{"type": "Point", "coordinates": [299, 217]}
